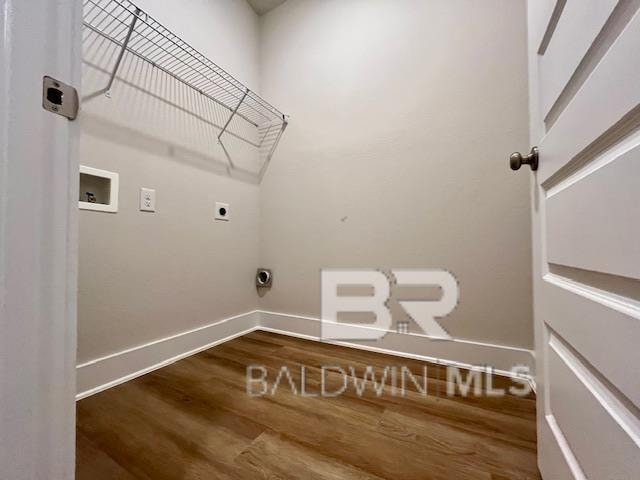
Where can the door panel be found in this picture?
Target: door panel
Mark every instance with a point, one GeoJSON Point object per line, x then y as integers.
{"type": "Point", "coordinates": [544, 22]}
{"type": "Point", "coordinates": [607, 100]}
{"type": "Point", "coordinates": [603, 328]}
{"type": "Point", "coordinates": [577, 27]}
{"type": "Point", "coordinates": [553, 447]}
{"type": "Point", "coordinates": [585, 118]}
{"type": "Point", "coordinates": [592, 222]}
{"type": "Point", "coordinates": [590, 417]}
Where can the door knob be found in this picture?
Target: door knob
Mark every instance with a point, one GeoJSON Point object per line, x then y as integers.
{"type": "Point", "coordinates": [516, 160]}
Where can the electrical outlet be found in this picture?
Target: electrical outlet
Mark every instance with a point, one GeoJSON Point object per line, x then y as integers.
{"type": "Point", "coordinates": [147, 200]}
{"type": "Point", "coordinates": [223, 211]}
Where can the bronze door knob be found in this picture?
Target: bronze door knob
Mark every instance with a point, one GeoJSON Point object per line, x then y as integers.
{"type": "Point", "coordinates": [516, 160]}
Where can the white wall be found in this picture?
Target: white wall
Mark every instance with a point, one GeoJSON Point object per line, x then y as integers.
{"type": "Point", "coordinates": [224, 30]}
{"type": "Point", "coordinates": [145, 276]}
{"type": "Point", "coordinates": [403, 114]}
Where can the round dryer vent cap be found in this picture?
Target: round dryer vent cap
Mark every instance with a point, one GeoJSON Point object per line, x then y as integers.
{"type": "Point", "coordinates": [263, 277]}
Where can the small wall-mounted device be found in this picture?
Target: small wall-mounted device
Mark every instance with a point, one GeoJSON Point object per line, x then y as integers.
{"type": "Point", "coordinates": [222, 211]}
{"type": "Point", "coordinates": [264, 278]}
{"type": "Point", "coordinates": [147, 200]}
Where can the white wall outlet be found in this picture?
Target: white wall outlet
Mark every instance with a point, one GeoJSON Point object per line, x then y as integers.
{"type": "Point", "coordinates": [222, 211]}
{"type": "Point", "coordinates": [147, 200]}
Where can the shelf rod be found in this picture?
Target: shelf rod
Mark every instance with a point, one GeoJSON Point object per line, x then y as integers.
{"type": "Point", "coordinates": [232, 114]}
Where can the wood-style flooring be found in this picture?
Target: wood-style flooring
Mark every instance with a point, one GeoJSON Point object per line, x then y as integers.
{"type": "Point", "coordinates": [194, 420]}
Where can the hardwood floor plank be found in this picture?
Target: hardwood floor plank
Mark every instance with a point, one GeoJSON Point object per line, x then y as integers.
{"type": "Point", "coordinates": [366, 357]}
{"type": "Point", "coordinates": [254, 345]}
{"type": "Point", "coordinates": [92, 462]}
{"type": "Point", "coordinates": [194, 419]}
{"type": "Point", "coordinates": [437, 385]}
{"type": "Point", "coordinates": [152, 438]}
{"type": "Point", "coordinates": [471, 412]}
{"type": "Point", "coordinates": [275, 456]}
{"type": "Point", "coordinates": [492, 454]}
{"type": "Point", "coordinates": [336, 432]}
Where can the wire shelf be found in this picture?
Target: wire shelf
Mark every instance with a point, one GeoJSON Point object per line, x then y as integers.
{"type": "Point", "coordinates": [134, 32]}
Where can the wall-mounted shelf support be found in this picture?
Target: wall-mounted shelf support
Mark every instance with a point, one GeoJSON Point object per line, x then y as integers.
{"type": "Point", "coordinates": [235, 110]}
{"type": "Point", "coordinates": [272, 149]}
{"type": "Point", "coordinates": [107, 90]}
{"type": "Point", "coordinates": [224, 129]}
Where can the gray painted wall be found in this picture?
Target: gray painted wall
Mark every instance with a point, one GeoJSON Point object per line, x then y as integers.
{"type": "Point", "coordinates": [403, 114]}
{"type": "Point", "coordinates": [145, 276]}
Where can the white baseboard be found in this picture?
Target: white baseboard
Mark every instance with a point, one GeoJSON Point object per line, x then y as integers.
{"type": "Point", "coordinates": [459, 353]}
{"type": "Point", "coordinates": [106, 372]}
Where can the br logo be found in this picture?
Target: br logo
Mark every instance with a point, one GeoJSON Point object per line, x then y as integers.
{"type": "Point", "coordinates": [423, 312]}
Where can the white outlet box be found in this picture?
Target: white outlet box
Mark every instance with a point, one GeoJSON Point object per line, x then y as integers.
{"type": "Point", "coordinates": [223, 212]}
{"type": "Point", "coordinates": [147, 200]}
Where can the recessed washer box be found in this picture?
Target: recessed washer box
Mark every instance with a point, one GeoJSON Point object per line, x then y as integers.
{"type": "Point", "coordinates": [222, 211]}
{"type": "Point", "coordinates": [98, 190]}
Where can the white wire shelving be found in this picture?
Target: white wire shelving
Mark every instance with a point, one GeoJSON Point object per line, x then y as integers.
{"type": "Point", "coordinates": [132, 31]}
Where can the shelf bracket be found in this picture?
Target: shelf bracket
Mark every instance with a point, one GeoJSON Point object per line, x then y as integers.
{"type": "Point", "coordinates": [273, 148]}
{"type": "Point", "coordinates": [226, 154]}
{"type": "Point", "coordinates": [107, 90]}
{"type": "Point", "coordinates": [266, 133]}
{"type": "Point", "coordinates": [235, 110]}
{"type": "Point", "coordinates": [224, 129]}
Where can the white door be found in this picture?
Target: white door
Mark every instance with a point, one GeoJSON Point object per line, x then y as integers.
{"type": "Point", "coordinates": [38, 211]}
{"type": "Point", "coordinates": [584, 58]}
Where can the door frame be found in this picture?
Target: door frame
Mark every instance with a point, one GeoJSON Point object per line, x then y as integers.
{"type": "Point", "coordinates": [536, 129]}
{"type": "Point", "coordinates": [38, 241]}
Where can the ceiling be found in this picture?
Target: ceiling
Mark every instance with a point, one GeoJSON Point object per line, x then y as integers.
{"type": "Point", "coordinates": [263, 6]}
